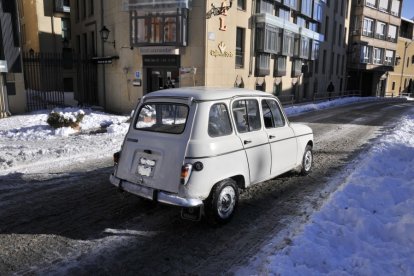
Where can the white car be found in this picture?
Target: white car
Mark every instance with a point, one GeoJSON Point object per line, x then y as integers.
{"type": "Point", "coordinates": [196, 147]}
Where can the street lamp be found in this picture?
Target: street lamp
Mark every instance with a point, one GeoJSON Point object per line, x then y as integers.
{"type": "Point", "coordinates": [105, 34]}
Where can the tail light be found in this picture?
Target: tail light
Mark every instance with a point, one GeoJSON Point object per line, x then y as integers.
{"type": "Point", "coordinates": [117, 155]}
{"type": "Point", "coordinates": [186, 170]}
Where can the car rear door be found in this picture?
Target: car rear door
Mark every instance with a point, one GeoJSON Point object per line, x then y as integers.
{"type": "Point", "coordinates": [155, 146]}
{"type": "Point", "coordinates": [282, 140]}
{"type": "Point", "coordinates": [246, 115]}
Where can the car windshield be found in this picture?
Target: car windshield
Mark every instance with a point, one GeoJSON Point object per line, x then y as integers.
{"type": "Point", "coordinates": [162, 117]}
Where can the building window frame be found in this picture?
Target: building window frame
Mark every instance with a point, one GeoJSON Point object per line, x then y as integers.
{"type": "Point", "coordinates": [240, 44]}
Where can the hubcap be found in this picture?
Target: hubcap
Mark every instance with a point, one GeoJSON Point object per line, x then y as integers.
{"type": "Point", "coordinates": [308, 160]}
{"type": "Point", "coordinates": [226, 202]}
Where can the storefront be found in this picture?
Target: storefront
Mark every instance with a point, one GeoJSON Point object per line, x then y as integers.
{"type": "Point", "coordinates": [161, 72]}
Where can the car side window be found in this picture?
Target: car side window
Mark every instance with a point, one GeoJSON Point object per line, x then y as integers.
{"type": "Point", "coordinates": [272, 115]}
{"type": "Point", "coordinates": [219, 121]}
{"type": "Point", "coordinates": [246, 115]}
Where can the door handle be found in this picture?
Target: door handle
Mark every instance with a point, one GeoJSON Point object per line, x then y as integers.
{"type": "Point", "coordinates": [247, 142]}
{"type": "Point", "coordinates": [272, 137]}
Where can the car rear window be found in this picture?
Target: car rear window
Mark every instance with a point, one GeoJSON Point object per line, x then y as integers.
{"type": "Point", "coordinates": [162, 117]}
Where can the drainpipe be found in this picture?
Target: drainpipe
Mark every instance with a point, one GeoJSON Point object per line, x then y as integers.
{"type": "Point", "coordinates": [103, 54]}
{"type": "Point", "coordinates": [403, 65]}
{"type": "Point", "coordinates": [252, 38]}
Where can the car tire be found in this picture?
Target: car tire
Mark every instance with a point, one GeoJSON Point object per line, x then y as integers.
{"type": "Point", "coordinates": [222, 202]}
{"type": "Point", "coordinates": [307, 161]}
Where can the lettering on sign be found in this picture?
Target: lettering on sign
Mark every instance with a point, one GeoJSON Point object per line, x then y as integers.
{"type": "Point", "coordinates": [221, 52]}
{"type": "Point", "coordinates": [220, 11]}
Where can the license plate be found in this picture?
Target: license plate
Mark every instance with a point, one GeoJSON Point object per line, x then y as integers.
{"type": "Point", "coordinates": [144, 170]}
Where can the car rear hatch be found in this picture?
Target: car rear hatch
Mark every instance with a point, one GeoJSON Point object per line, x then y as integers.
{"type": "Point", "coordinates": [156, 143]}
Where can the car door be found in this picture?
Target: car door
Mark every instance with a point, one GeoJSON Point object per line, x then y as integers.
{"type": "Point", "coordinates": [247, 119]}
{"type": "Point", "coordinates": [282, 140]}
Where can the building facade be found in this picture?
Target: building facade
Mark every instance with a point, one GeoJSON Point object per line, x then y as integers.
{"type": "Point", "coordinates": [400, 81]}
{"type": "Point", "coordinates": [45, 25]}
{"type": "Point", "coordinates": [292, 49]}
{"type": "Point", "coordinates": [373, 44]}
{"type": "Point", "coordinates": [12, 93]}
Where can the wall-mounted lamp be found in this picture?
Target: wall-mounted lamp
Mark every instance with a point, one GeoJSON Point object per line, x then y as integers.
{"type": "Point", "coordinates": [105, 34]}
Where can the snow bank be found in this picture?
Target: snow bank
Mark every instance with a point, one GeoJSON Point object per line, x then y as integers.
{"type": "Point", "coordinates": [367, 226]}
{"type": "Point", "coordinates": [28, 144]}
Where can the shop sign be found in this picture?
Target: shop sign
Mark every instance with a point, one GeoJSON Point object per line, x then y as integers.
{"type": "Point", "coordinates": [3, 66]}
{"type": "Point", "coordinates": [161, 60]}
{"type": "Point", "coordinates": [221, 52]}
{"type": "Point", "coordinates": [188, 70]}
{"type": "Point", "coordinates": [159, 50]}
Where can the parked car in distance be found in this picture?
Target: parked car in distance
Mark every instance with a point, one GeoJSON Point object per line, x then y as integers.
{"type": "Point", "coordinates": [196, 147]}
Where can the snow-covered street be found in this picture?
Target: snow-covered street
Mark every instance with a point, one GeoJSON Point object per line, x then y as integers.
{"type": "Point", "coordinates": [351, 215]}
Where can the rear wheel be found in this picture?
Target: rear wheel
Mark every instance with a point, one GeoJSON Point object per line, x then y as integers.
{"type": "Point", "coordinates": [222, 202]}
{"type": "Point", "coordinates": [307, 161]}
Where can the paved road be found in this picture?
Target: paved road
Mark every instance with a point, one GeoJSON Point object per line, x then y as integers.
{"type": "Point", "coordinates": [75, 222]}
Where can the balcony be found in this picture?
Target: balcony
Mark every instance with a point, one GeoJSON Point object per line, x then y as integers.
{"type": "Point", "coordinates": [287, 25]}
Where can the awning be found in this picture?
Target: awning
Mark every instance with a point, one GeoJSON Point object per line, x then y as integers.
{"type": "Point", "coordinates": [155, 5]}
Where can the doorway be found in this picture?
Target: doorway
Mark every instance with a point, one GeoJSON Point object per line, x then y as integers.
{"type": "Point", "coordinates": [162, 78]}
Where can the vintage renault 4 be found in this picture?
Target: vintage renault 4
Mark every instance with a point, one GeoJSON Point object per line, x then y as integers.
{"type": "Point", "coordinates": [196, 147]}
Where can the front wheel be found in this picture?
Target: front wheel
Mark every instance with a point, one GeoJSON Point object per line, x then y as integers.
{"type": "Point", "coordinates": [307, 161]}
{"type": "Point", "coordinates": [222, 202]}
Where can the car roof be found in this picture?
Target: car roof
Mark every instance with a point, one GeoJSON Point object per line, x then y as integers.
{"type": "Point", "coordinates": [201, 93]}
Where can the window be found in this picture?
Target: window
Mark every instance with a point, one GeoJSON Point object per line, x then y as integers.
{"type": "Point", "coordinates": [370, 3]}
{"type": "Point", "coordinates": [91, 7]}
{"type": "Point", "coordinates": [283, 13]}
{"type": "Point", "coordinates": [393, 85]}
{"type": "Point", "coordinates": [280, 66]}
{"type": "Point", "coordinates": [272, 115]}
{"type": "Point", "coordinates": [395, 7]}
{"type": "Point", "coordinates": [340, 34]}
{"type": "Point", "coordinates": [306, 7]}
{"type": "Point", "coordinates": [326, 27]}
{"type": "Point", "coordinates": [265, 6]}
{"type": "Point", "coordinates": [315, 50]}
{"type": "Point", "coordinates": [389, 57]}
{"type": "Point", "coordinates": [292, 4]}
{"type": "Point", "coordinates": [241, 4]}
{"type": "Point", "coordinates": [368, 27]}
{"type": "Point", "coordinates": [85, 45]}
{"type": "Point", "coordinates": [380, 30]}
{"type": "Point", "coordinates": [262, 65]}
{"type": "Point", "coordinates": [246, 115]}
{"type": "Point", "coordinates": [239, 47]}
{"type": "Point", "coordinates": [77, 10]}
{"type": "Point", "coordinates": [83, 9]}
{"type": "Point", "coordinates": [268, 38]}
{"type": "Point", "coordinates": [324, 62]}
{"type": "Point", "coordinates": [377, 54]}
{"type": "Point", "coordinates": [219, 121]}
{"type": "Point", "coordinates": [314, 27]}
{"type": "Point", "coordinates": [392, 33]}
{"type": "Point", "coordinates": [317, 11]}
{"type": "Point", "coordinates": [334, 31]}
{"type": "Point", "coordinates": [365, 54]}
{"type": "Point", "coordinates": [338, 65]}
{"type": "Point", "coordinates": [304, 47]}
{"type": "Point", "coordinates": [166, 28]}
{"type": "Point", "coordinates": [383, 5]}
{"type": "Point", "coordinates": [288, 40]}
{"type": "Point", "coordinates": [300, 21]}
{"type": "Point", "coordinates": [93, 44]}
{"type": "Point", "coordinates": [162, 117]}
{"type": "Point", "coordinates": [66, 28]}
{"type": "Point", "coordinates": [412, 59]}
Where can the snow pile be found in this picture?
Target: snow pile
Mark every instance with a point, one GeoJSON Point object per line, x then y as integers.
{"type": "Point", "coordinates": [367, 226]}
{"type": "Point", "coordinates": [293, 110]}
{"type": "Point", "coordinates": [29, 144]}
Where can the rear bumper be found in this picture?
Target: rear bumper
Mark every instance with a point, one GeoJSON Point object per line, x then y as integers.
{"type": "Point", "coordinates": [156, 195]}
